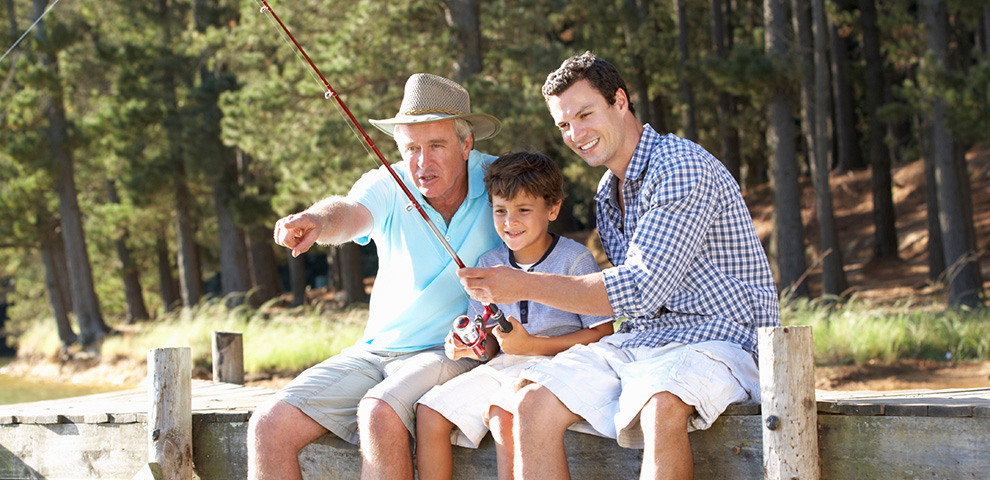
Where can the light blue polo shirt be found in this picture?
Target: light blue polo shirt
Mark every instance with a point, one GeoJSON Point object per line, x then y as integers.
{"type": "Point", "coordinates": [417, 294]}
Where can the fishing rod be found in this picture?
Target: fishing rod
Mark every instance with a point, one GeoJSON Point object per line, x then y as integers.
{"type": "Point", "coordinates": [491, 311]}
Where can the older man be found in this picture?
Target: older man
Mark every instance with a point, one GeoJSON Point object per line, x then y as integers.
{"type": "Point", "coordinates": [366, 394]}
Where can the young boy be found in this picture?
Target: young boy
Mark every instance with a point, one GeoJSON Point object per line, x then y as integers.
{"type": "Point", "coordinates": [525, 190]}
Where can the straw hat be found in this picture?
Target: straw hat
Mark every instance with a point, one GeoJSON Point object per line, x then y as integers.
{"type": "Point", "coordinates": [429, 98]}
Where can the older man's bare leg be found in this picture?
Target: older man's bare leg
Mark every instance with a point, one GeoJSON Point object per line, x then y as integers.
{"type": "Point", "coordinates": [277, 432]}
{"type": "Point", "coordinates": [541, 420]}
{"type": "Point", "coordinates": [667, 453]}
{"type": "Point", "coordinates": [385, 452]}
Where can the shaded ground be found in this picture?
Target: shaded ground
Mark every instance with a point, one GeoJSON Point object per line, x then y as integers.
{"type": "Point", "coordinates": [889, 282]}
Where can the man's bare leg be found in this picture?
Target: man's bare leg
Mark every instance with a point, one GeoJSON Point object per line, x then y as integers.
{"type": "Point", "coordinates": [434, 454]}
{"type": "Point", "coordinates": [667, 454]}
{"type": "Point", "coordinates": [541, 420]}
{"type": "Point", "coordinates": [385, 450]}
{"type": "Point", "coordinates": [500, 423]}
{"type": "Point", "coordinates": [277, 432]}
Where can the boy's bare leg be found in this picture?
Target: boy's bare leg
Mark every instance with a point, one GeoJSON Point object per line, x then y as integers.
{"type": "Point", "coordinates": [277, 432]}
{"type": "Point", "coordinates": [434, 455]}
{"type": "Point", "coordinates": [667, 454]}
{"type": "Point", "coordinates": [500, 423]}
{"type": "Point", "coordinates": [384, 440]}
{"type": "Point", "coordinates": [541, 420]}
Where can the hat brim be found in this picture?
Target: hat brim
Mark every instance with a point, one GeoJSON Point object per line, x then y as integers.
{"type": "Point", "coordinates": [484, 125]}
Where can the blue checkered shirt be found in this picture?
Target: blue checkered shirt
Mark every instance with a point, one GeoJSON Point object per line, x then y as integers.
{"type": "Point", "coordinates": [689, 266]}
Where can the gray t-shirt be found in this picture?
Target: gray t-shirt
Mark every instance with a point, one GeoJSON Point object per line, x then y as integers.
{"type": "Point", "coordinates": [564, 257]}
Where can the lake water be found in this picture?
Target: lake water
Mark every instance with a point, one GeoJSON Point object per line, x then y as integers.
{"type": "Point", "coordinates": [22, 389]}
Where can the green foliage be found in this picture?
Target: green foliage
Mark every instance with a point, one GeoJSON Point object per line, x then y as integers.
{"type": "Point", "coordinates": [857, 333]}
{"type": "Point", "coordinates": [275, 340]}
{"type": "Point", "coordinates": [240, 88]}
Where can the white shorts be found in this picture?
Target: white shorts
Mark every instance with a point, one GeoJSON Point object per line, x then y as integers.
{"type": "Point", "coordinates": [466, 399]}
{"type": "Point", "coordinates": [608, 386]}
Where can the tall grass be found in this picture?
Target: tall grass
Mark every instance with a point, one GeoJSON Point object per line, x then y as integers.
{"type": "Point", "coordinates": [290, 340]}
{"type": "Point", "coordinates": [859, 333]}
{"type": "Point", "coordinates": [275, 339]}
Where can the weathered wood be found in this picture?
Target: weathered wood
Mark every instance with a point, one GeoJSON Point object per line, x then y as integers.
{"type": "Point", "coordinates": [170, 411]}
{"type": "Point", "coordinates": [876, 447]}
{"type": "Point", "coordinates": [228, 357]}
{"type": "Point", "coordinates": [151, 471]}
{"type": "Point", "coordinates": [787, 387]}
{"type": "Point", "coordinates": [904, 447]}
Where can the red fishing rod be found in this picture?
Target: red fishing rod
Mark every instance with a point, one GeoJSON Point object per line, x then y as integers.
{"type": "Point", "coordinates": [491, 311]}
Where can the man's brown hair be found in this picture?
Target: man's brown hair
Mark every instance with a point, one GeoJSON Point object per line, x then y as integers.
{"type": "Point", "coordinates": [602, 75]}
{"type": "Point", "coordinates": [532, 172]}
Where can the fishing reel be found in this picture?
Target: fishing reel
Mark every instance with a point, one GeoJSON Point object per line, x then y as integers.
{"type": "Point", "coordinates": [473, 333]}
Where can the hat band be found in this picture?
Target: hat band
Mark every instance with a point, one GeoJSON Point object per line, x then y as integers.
{"type": "Point", "coordinates": [425, 111]}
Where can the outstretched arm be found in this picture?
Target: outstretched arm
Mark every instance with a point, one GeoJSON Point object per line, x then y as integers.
{"type": "Point", "coordinates": [331, 221]}
{"type": "Point", "coordinates": [582, 294]}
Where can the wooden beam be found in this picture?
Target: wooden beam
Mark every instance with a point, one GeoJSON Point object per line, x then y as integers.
{"type": "Point", "coordinates": [789, 411]}
{"type": "Point", "coordinates": [170, 412]}
{"type": "Point", "coordinates": [228, 357]}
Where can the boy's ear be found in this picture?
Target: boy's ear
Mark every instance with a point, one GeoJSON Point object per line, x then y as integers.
{"type": "Point", "coordinates": [554, 211]}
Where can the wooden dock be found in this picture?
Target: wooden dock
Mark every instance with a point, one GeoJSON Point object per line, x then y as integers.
{"type": "Point", "coordinates": [941, 434]}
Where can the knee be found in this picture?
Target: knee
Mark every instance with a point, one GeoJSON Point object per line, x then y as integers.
{"type": "Point", "coordinates": [665, 408]}
{"type": "Point", "coordinates": [374, 413]}
{"type": "Point", "coordinates": [429, 421]}
{"type": "Point", "coordinates": [499, 422]}
{"type": "Point", "coordinates": [270, 423]}
{"type": "Point", "coordinates": [536, 402]}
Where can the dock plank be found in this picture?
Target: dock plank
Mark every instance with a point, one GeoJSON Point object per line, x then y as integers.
{"type": "Point", "coordinates": [877, 435]}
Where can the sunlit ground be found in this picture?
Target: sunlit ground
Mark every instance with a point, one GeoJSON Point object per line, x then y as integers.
{"type": "Point", "coordinates": [15, 389]}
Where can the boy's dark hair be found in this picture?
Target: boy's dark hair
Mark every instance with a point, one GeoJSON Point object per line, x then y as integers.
{"type": "Point", "coordinates": [532, 172]}
{"type": "Point", "coordinates": [602, 75]}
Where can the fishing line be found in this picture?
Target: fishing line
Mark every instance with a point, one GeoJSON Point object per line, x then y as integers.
{"type": "Point", "coordinates": [29, 29]}
{"type": "Point", "coordinates": [490, 309]}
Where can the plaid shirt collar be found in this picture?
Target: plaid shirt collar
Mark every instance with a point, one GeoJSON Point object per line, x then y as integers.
{"type": "Point", "coordinates": [637, 165]}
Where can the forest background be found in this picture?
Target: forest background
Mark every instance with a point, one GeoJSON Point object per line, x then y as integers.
{"type": "Point", "coordinates": [147, 148]}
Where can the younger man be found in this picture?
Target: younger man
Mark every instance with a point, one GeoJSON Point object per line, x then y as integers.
{"type": "Point", "coordinates": [525, 190]}
{"type": "Point", "coordinates": [689, 273]}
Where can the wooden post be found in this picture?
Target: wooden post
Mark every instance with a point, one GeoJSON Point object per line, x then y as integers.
{"type": "Point", "coordinates": [170, 415]}
{"type": "Point", "coordinates": [228, 357]}
{"type": "Point", "coordinates": [790, 413]}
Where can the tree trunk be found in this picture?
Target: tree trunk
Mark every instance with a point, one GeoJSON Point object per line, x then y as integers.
{"type": "Point", "coordinates": [297, 279]}
{"type": "Point", "coordinates": [56, 283]}
{"type": "Point", "coordinates": [264, 267]}
{"type": "Point", "coordinates": [235, 279]}
{"type": "Point", "coordinates": [965, 282]}
{"type": "Point", "coordinates": [788, 231]}
{"type": "Point", "coordinates": [986, 32]}
{"type": "Point", "coordinates": [85, 304]}
{"type": "Point", "coordinates": [936, 257]}
{"type": "Point", "coordinates": [190, 283]}
{"type": "Point", "coordinates": [848, 155]}
{"type": "Point", "coordinates": [166, 282]}
{"type": "Point", "coordinates": [833, 276]}
{"type": "Point", "coordinates": [133, 293]}
{"type": "Point", "coordinates": [633, 13]}
{"type": "Point", "coordinates": [885, 230]}
{"type": "Point", "coordinates": [463, 18]}
{"type": "Point", "coordinates": [728, 134]}
{"type": "Point", "coordinates": [688, 116]}
{"type": "Point", "coordinates": [351, 273]}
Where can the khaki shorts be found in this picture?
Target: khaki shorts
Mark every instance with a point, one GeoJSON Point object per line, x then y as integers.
{"type": "Point", "coordinates": [329, 392]}
{"type": "Point", "coordinates": [608, 386]}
